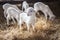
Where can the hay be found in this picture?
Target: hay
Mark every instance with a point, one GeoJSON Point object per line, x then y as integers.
{"type": "Point", "coordinates": [14, 33]}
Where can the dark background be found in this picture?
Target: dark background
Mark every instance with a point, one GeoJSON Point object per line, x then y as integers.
{"type": "Point", "coordinates": [29, 1]}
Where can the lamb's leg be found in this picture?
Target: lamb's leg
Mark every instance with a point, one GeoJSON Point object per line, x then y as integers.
{"type": "Point", "coordinates": [17, 20]}
{"type": "Point", "coordinates": [13, 20]}
{"type": "Point", "coordinates": [51, 15]}
{"type": "Point", "coordinates": [33, 27]}
{"type": "Point", "coordinates": [25, 9]}
{"type": "Point", "coordinates": [5, 13]}
{"type": "Point", "coordinates": [20, 23]}
{"type": "Point", "coordinates": [28, 26]}
{"type": "Point", "coordinates": [46, 16]}
{"type": "Point", "coordinates": [22, 8]}
{"type": "Point", "coordinates": [20, 26]}
{"type": "Point", "coordinates": [7, 20]}
{"type": "Point", "coordinates": [38, 14]}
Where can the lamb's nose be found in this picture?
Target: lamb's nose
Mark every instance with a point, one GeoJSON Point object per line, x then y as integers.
{"type": "Point", "coordinates": [29, 14]}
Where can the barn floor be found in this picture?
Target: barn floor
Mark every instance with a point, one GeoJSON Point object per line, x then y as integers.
{"type": "Point", "coordinates": [49, 30]}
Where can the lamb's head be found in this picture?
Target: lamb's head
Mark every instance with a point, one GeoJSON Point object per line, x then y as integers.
{"type": "Point", "coordinates": [30, 11]}
{"type": "Point", "coordinates": [24, 2]}
{"type": "Point", "coordinates": [52, 17]}
{"type": "Point", "coordinates": [25, 5]}
{"type": "Point", "coordinates": [5, 6]}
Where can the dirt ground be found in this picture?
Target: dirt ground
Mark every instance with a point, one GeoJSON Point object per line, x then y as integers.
{"type": "Point", "coordinates": [44, 30]}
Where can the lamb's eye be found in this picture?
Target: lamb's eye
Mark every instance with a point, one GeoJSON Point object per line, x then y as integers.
{"type": "Point", "coordinates": [31, 10]}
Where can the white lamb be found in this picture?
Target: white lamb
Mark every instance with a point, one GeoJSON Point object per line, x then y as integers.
{"type": "Point", "coordinates": [12, 13]}
{"type": "Point", "coordinates": [45, 9]}
{"type": "Point", "coordinates": [28, 19]}
{"type": "Point", "coordinates": [25, 5]}
{"type": "Point", "coordinates": [6, 6]}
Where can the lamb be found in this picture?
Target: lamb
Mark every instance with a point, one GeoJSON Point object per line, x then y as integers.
{"type": "Point", "coordinates": [12, 13]}
{"type": "Point", "coordinates": [25, 5]}
{"type": "Point", "coordinates": [28, 19]}
{"type": "Point", "coordinates": [45, 9]}
{"type": "Point", "coordinates": [6, 6]}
